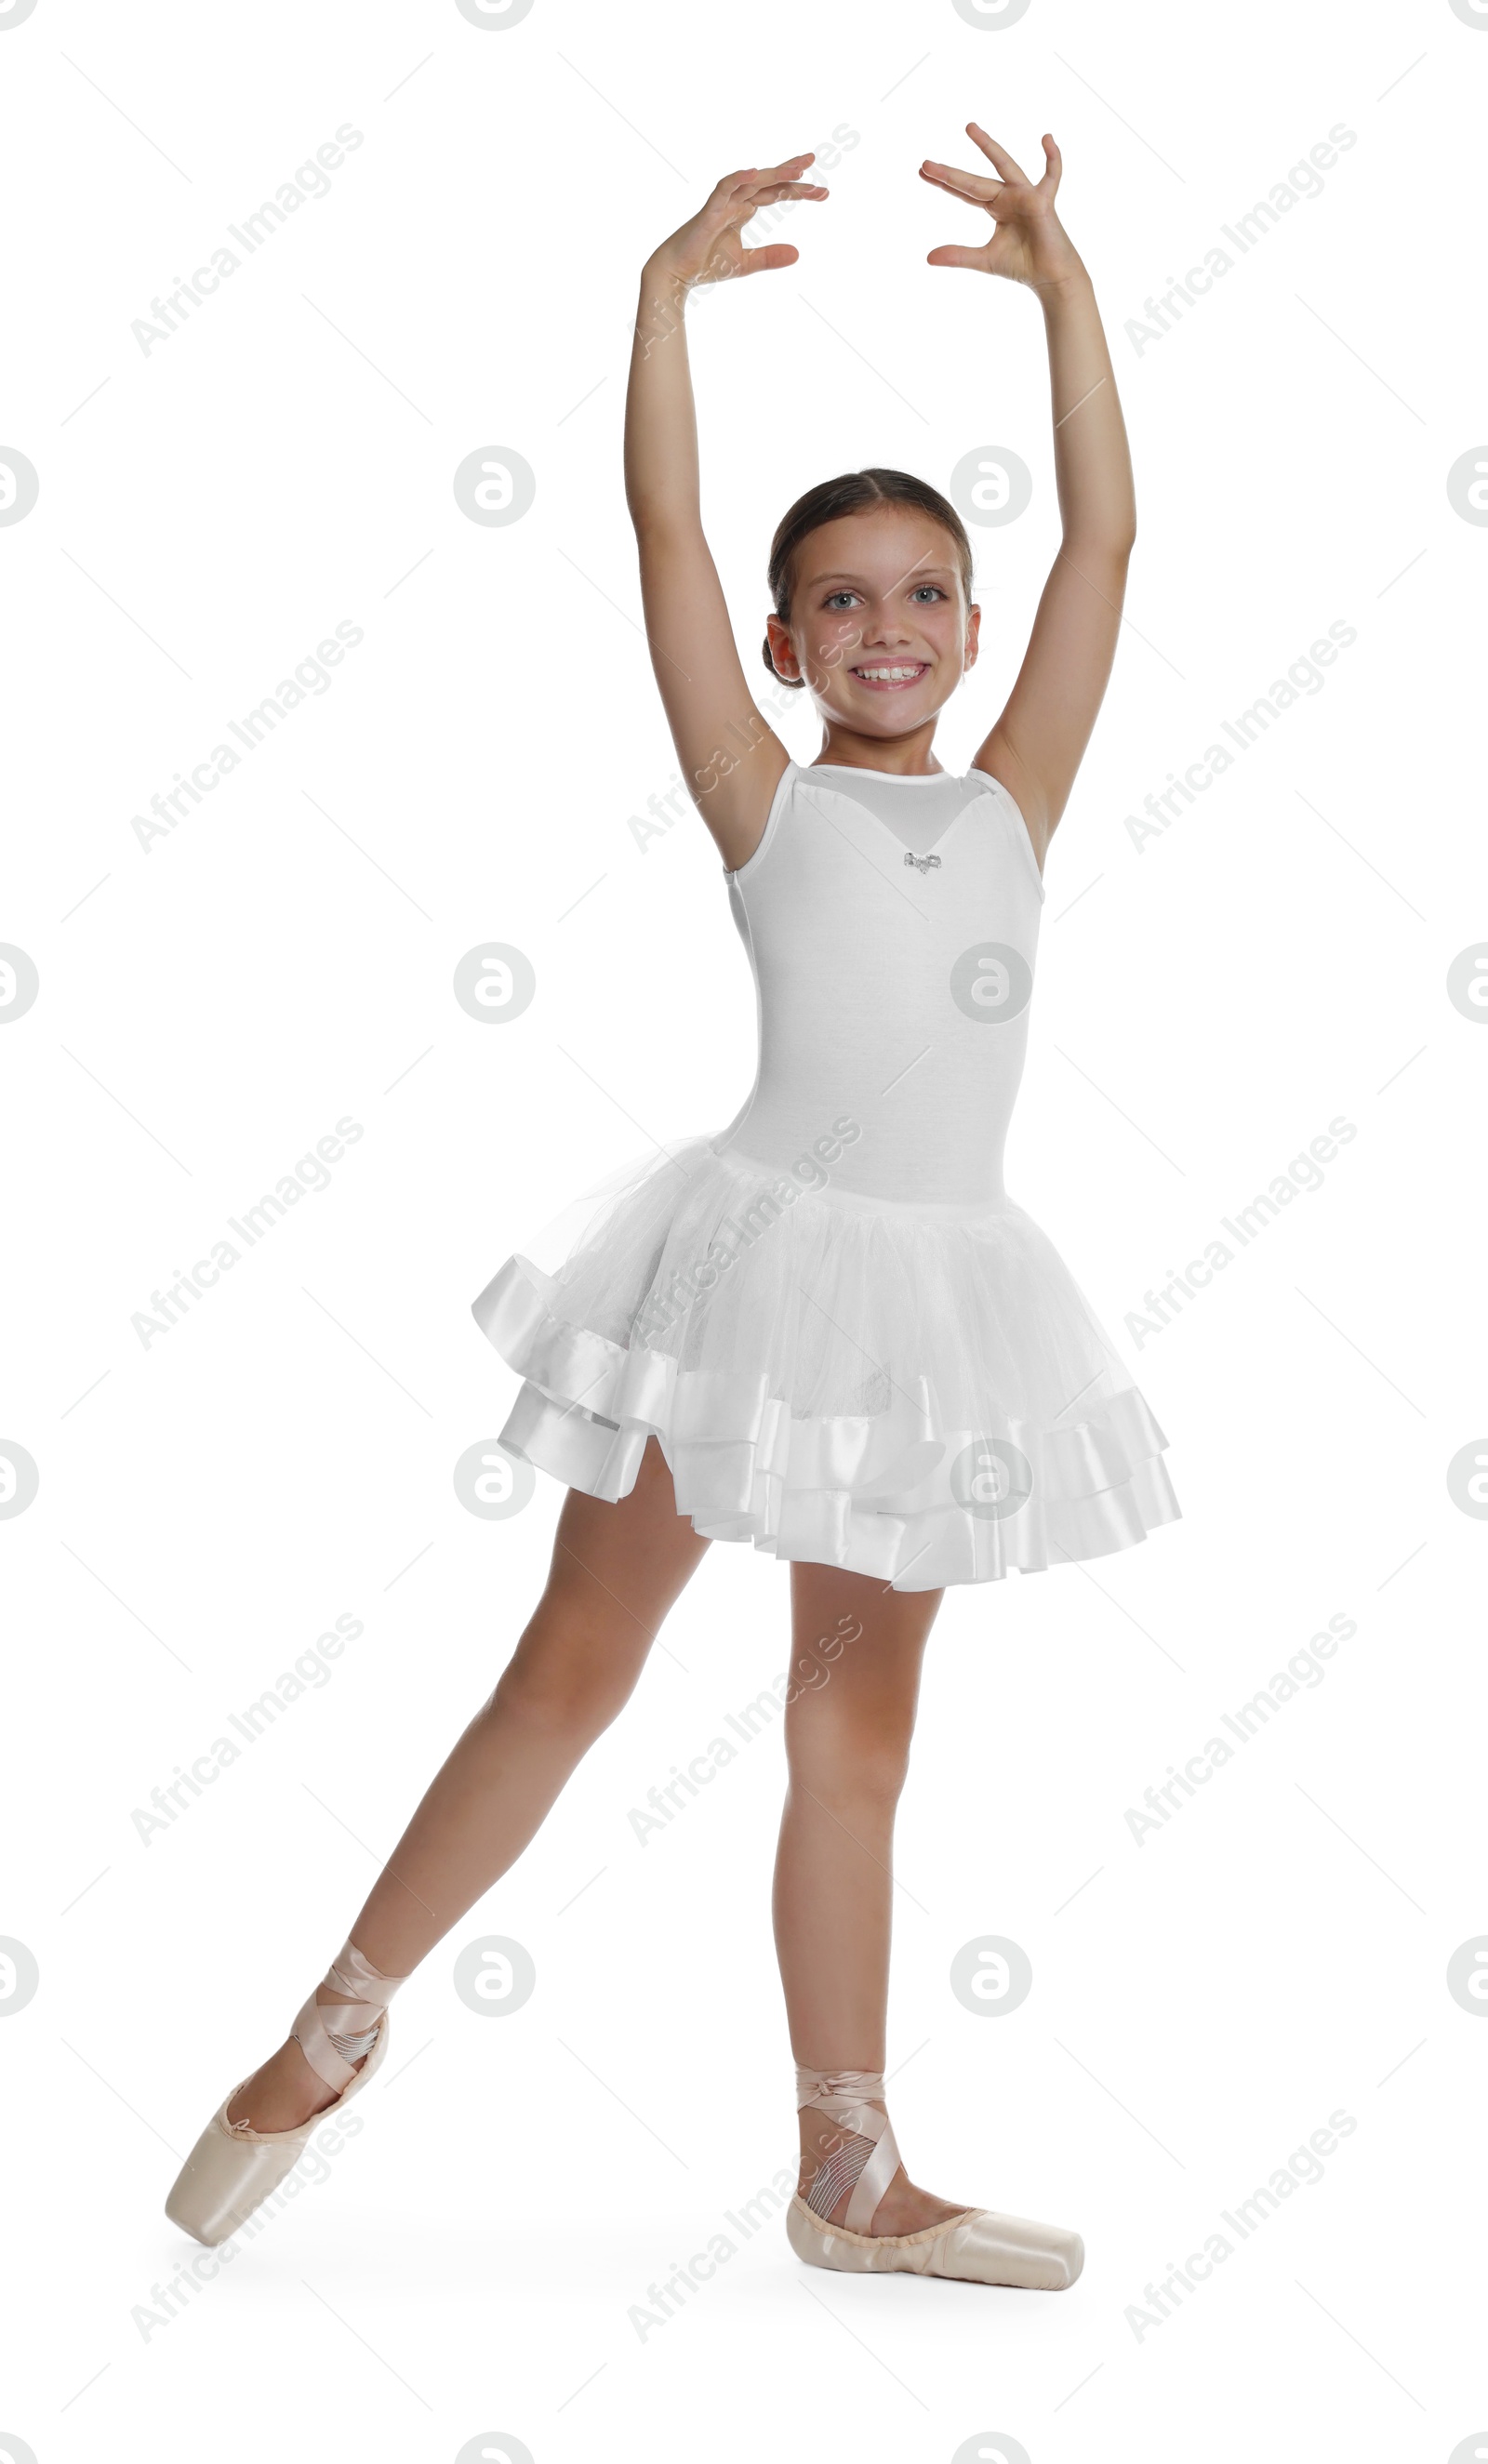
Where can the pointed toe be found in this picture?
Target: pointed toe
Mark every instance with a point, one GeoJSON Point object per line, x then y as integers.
{"type": "Point", "coordinates": [230, 2172]}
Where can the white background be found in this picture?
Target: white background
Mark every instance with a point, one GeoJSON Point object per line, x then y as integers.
{"type": "Point", "coordinates": [209, 1505]}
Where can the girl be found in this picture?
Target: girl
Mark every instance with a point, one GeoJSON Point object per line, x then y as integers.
{"type": "Point", "coordinates": [828, 1330]}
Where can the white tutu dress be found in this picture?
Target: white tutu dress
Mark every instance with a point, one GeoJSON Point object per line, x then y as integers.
{"type": "Point", "coordinates": [851, 1344]}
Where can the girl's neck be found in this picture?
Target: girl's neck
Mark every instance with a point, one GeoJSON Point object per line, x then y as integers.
{"type": "Point", "coordinates": [903, 757]}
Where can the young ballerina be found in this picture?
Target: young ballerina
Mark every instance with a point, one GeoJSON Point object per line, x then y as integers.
{"type": "Point", "coordinates": [827, 1330]}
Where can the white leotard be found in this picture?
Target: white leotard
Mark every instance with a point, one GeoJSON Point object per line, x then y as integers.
{"type": "Point", "coordinates": [853, 1345]}
{"type": "Point", "coordinates": [892, 925]}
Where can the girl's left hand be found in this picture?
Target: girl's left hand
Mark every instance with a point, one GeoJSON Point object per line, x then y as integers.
{"type": "Point", "coordinates": [1030, 243]}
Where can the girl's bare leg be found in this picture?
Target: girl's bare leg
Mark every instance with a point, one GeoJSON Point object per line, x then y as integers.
{"type": "Point", "coordinates": [615, 1572]}
{"type": "Point", "coordinates": [857, 1654]}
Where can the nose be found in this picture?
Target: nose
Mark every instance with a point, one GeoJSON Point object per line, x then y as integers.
{"type": "Point", "coordinates": [884, 630]}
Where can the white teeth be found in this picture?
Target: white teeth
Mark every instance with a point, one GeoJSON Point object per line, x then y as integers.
{"type": "Point", "coordinates": [887, 675]}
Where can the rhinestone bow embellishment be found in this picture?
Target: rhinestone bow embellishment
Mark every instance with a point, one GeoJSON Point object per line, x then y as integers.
{"type": "Point", "coordinates": [924, 862]}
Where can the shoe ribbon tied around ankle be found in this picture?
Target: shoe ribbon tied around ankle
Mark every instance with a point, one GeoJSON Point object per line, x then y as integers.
{"type": "Point", "coordinates": [334, 2035]}
{"type": "Point", "coordinates": [866, 2158]}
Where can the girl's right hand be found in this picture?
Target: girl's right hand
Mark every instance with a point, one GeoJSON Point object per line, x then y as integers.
{"type": "Point", "coordinates": [710, 248]}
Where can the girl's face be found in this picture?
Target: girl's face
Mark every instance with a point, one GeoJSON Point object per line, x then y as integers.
{"type": "Point", "coordinates": [880, 626]}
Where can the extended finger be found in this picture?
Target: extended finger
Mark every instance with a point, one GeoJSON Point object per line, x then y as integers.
{"type": "Point", "coordinates": [767, 260]}
{"type": "Point", "coordinates": [969, 185]}
{"type": "Point", "coordinates": [996, 154]}
{"type": "Point", "coordinates": [1053, 164]}
{"type": "Point", "coordinates": [972, 260]}
{"type": "Point", "coordinates": [735, 199]}
{"type": "Point", "coordinates": [740, 214]}
{"type": "Point", "coordinates": [790, 169]}
{"type": "Point", "coordinates": [787, 189]}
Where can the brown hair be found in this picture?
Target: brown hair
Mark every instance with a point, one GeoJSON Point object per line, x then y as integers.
{"type": "Point", "coordinates": [853, 492]}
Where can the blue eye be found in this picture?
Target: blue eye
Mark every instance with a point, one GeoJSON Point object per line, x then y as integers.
{"type": "Point", "coordinates": [931, 585]}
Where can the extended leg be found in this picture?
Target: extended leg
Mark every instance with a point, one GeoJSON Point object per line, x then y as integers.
{"type": "Point", "coordinates": [615, 1572]}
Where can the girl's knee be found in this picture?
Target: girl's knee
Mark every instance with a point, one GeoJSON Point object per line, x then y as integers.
{"type": "Point", "coordinates": [849, 1768]}
{"type": "Point", "coordinates": [568, 1671]}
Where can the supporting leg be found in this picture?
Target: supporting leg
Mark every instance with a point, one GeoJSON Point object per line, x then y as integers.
{"type": "Point", "coordinates": [858, 1649]}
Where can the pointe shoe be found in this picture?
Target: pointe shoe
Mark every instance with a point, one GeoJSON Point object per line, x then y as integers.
{"type": "Point", "coordinates": [233, 2168]}
{"type": "Point", "coordinates": [979, 2246]}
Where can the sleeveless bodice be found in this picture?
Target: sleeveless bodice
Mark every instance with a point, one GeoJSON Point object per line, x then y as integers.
{"type": "Point", "coordinates": [893, 962]}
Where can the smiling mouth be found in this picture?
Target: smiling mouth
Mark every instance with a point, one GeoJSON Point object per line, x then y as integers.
{"type": "Point", "coordinates": [892, 675]}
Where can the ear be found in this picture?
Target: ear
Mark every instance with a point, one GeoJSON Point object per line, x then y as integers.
{"type": "Point", "coordinates": [787, 665]}
{"type": "Point", "coordinates": [973, 633]}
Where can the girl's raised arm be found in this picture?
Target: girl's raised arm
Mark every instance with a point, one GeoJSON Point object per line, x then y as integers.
{"type": "Point", "coordinates": [1039, 743]}
{"type": "Point", "coordinates": [731, 757]}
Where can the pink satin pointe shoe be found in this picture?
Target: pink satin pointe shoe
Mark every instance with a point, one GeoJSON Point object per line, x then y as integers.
{"type": "Point", "coordinates": [979, 2246]}
{"type": "Point", "coordinates": [233, 2167]}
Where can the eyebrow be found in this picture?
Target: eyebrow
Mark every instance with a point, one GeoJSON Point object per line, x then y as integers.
{"type": "Point", "coordinates": [923, 572]}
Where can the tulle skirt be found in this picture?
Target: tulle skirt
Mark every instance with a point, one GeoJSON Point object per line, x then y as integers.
{"type": "Point", "coordinates": [921, 1393]}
